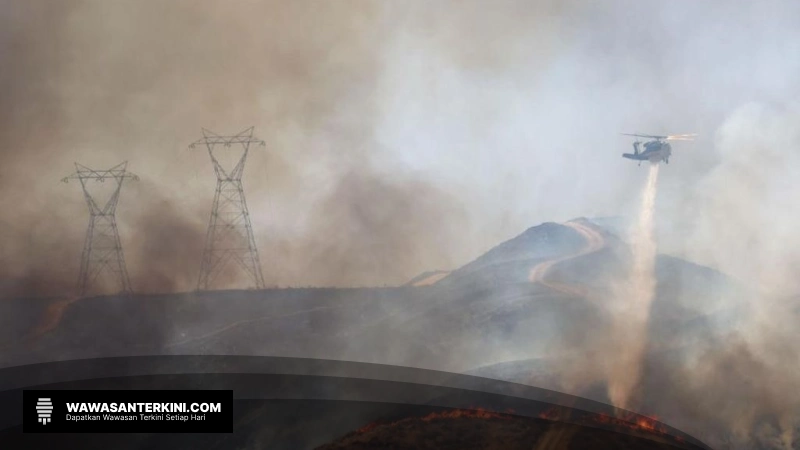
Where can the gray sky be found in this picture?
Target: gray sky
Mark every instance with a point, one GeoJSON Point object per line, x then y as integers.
{"type": "Point", "coordinates": [401, 136]}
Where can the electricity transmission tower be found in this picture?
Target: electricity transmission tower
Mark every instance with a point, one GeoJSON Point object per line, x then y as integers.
{"type": "Point", "coordinates": [102, 249]}
{"type": "Point", "coordinates": [230, 234]}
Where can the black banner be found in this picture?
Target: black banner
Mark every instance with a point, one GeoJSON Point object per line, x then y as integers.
{"type": "Point", "coordinates": [128, 411]}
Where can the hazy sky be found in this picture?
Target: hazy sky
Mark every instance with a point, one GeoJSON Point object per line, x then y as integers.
{"type": "Point", "coordinates": [400, 136]}
{"type": "Point", "coordinates": [405, 136]}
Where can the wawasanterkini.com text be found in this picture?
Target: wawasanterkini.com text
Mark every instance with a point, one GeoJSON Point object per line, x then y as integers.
{"type": "Point", "coordinates": [139, 411]}
{"type": "Point", "coordinates": [143, 407]}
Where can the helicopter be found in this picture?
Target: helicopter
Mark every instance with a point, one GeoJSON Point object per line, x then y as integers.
{"type": "Point", "coordinates": [655, 150]}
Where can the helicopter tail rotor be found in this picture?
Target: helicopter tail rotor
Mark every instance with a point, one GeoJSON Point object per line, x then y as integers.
{"type": "Point", "coordinates": [681, 137]}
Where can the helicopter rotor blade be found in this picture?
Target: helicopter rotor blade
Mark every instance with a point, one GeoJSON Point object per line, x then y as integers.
{"type": "Point", "coordinates": [671, 137]}
{"type": "Point", "coordinates": [650, 136]}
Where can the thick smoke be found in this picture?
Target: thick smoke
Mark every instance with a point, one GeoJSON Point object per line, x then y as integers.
{"type": "Point", "coordinates": [499, 109]}
{"type": "Point", "coordinates": [743, 215]}
{"type": "Point", "coordinates": [114, 81]}
{"type": "Point", "coordinates": [372, 225]}
{"type": "Point", "coordinates": [404, 137]}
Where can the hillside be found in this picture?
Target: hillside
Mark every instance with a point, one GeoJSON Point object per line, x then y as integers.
{"type": "Point", "coordinates": [518, 312]}
{"type": "Point", "coordinates": [484, 312]}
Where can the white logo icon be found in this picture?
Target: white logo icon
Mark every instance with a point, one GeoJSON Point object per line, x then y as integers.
{"type": "Point", "coordinates": [44, 408]}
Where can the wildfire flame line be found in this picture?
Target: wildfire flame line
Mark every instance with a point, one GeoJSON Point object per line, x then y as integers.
{"type": "Point", "coordinates": [624, 420]}
{"type": "Point", "coordinates": [474, 413]}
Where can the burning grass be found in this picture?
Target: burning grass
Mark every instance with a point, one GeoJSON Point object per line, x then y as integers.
{"type": "Point", "coordinates": [484, 429]}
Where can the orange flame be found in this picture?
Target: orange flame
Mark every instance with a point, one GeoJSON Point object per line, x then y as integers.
{"type": "Point", "coordinates": [550, 414]}
{"type": "Point", "coordinates": [52, 316]}
{"type": "Point", "coordinates": [473, 413]}
{"type": "Point", "coordinates": [626, 420]}
{"type": "Point", "coordinates": [633, 422]}
{"type": "Point", "coordinates": [478, 413]}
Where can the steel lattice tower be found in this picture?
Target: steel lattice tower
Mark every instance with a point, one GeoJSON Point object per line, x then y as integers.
{"type": "Point", "coordinates": [230, 234]}
{"type": "Point", "coordinates": [102, 249]}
